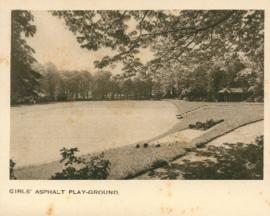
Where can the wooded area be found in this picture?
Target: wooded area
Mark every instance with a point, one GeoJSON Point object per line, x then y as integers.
{"type": "Point", "coordinates": [196, 54]}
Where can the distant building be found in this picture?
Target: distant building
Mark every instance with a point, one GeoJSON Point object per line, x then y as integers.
{"type": "Point", "coordinates": [231, 94]}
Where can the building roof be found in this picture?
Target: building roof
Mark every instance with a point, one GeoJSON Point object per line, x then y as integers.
{"type": "Point", "coordinates": [231, 90]}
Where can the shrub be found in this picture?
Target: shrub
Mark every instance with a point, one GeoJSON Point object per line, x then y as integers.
{"type": "Point", "coordinates": [145, 145]}
{"type": "Point", "coordinates": [157, 145]}
{"type": "Point", "coordinates": [159, 163]}
{"type": "Point", "coordinates": [12, 165]}
{"type": "Point", "coordinates": [138, 146]}
{"type": "Point", "coordinates": [205, 125]}
{"type": "Point", "coordinates": [79, 168]}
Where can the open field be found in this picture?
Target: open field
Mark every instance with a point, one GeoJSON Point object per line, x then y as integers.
{"type": "Point", "coordinates": [38, 132]}
{"type": "Point", "coordinates": [129, 161]}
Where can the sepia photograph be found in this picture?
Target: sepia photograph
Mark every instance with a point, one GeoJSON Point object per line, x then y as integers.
{"type": "Point", "coordinates": [137, 95]}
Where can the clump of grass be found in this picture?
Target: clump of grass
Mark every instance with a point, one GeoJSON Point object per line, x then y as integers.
{"type": "Point", "coordinates": [205, 125]}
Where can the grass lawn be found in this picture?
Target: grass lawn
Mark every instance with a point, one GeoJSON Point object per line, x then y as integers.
{"type": "Point", "coordinates": [129, 161]}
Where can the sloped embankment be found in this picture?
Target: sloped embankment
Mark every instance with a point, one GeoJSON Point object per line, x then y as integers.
{"type": "Point", "coordinates": [209, 154]}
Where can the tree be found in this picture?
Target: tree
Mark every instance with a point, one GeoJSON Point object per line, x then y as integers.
{"type": "Point", "coordinates": [115, 87]}
{"type": "Point", "coordinates": [86, 84]}
{"type": "Point", "coordinates": [127, 88]}
{"type": "Point", "coordinates": [188, 39]}
{"type": "Point", "coordinates": [198, 84]}
{"type": "Point", "coordinates": [12, 165]}
{"type": "Point", "coordinates": [157, 90]}
{"type": "Point", "coordinates": [24, 80]}
{"type": "Point", "coordinates": [171, 34]}
{"type": "Point", "coordinates": [50, 81]}
{"type": "Point", "coordinates": [102, 84]}
{"type": "Point", "coordinates": [216, 77]}
{"type": "Point", "coordinates": [232, 69]}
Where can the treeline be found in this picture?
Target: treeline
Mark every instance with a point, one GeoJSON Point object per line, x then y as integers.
{"type": "Point", "coordinates": [56, 85]}
{"type": "Point", "coordinates": [223, 49]}
{"type": "Point", "coordinates": [200, 84]}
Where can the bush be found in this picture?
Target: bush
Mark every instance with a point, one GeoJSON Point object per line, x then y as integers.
{"type": "Point", "coordinates": [205, 125]}
{"type": "Point", "coordinates": [80, 168]}
{"type": "Point", "coordinates": [12, 165]}
{"type": "Point", "coordinates": [159, 163]}
{"type": "Point", "coordinates": [145, 145]}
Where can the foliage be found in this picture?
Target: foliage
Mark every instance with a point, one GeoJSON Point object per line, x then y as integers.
{"type": "Point", "coordinates": [80, 168]}
{"type": "Point", "coordinates": [145, 145]}
{"type": "Point", "coordinates": [159, 163]}
{"type": "Point", "coordinates": [182, 42]}
{"type": "Point", "coordinates": [205, 125]}
{"type": "Point", "coordinates": [168, 32]}
{"type": "Point", "coordinates": [12, 165]}
{"type": "Point", "coordinates": [195, 54]}
{"type": "Point", "coordinates": [234, 161]}
{"type": "Point", "coordinates": [24, 80]}
{"type": "Point", "coordinates": [83, 85]}
{"type": "Point", "coordinates": [102, 84]}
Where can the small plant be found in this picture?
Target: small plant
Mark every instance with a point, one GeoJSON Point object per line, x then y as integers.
{"type": "Point", "coordinates": [157, 145]}
{"type": "Point", "coordinates": [138, 146]}
{"type": "Point", "coordinates": [145, 145]}
{"type": "Point", "coordinates": [12, 165]}
{"type": "Point", "coordinates": [80, 168]}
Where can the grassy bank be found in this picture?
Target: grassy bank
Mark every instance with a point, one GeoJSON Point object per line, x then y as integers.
{"type": "Point", "coordinates": [235, 155]}
{"type": "Point", "coordinates": [130, 161]}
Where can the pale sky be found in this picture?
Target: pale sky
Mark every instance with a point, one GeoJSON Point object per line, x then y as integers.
{"type": "Point", "coordinates": [53, 42]}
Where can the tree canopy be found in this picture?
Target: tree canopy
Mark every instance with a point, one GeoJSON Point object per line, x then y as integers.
{"type": "Point", "coordinates": [195, 54]}
{"type": "Point", "coordinates": [182, 36]}
{"type": "Point", "coordinates": [24, 80]}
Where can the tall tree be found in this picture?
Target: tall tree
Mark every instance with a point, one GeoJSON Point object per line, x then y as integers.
{"type": "Point", "coordinates": [102, 84]}
{"type": "Point", "coordinates": [24, 80]}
